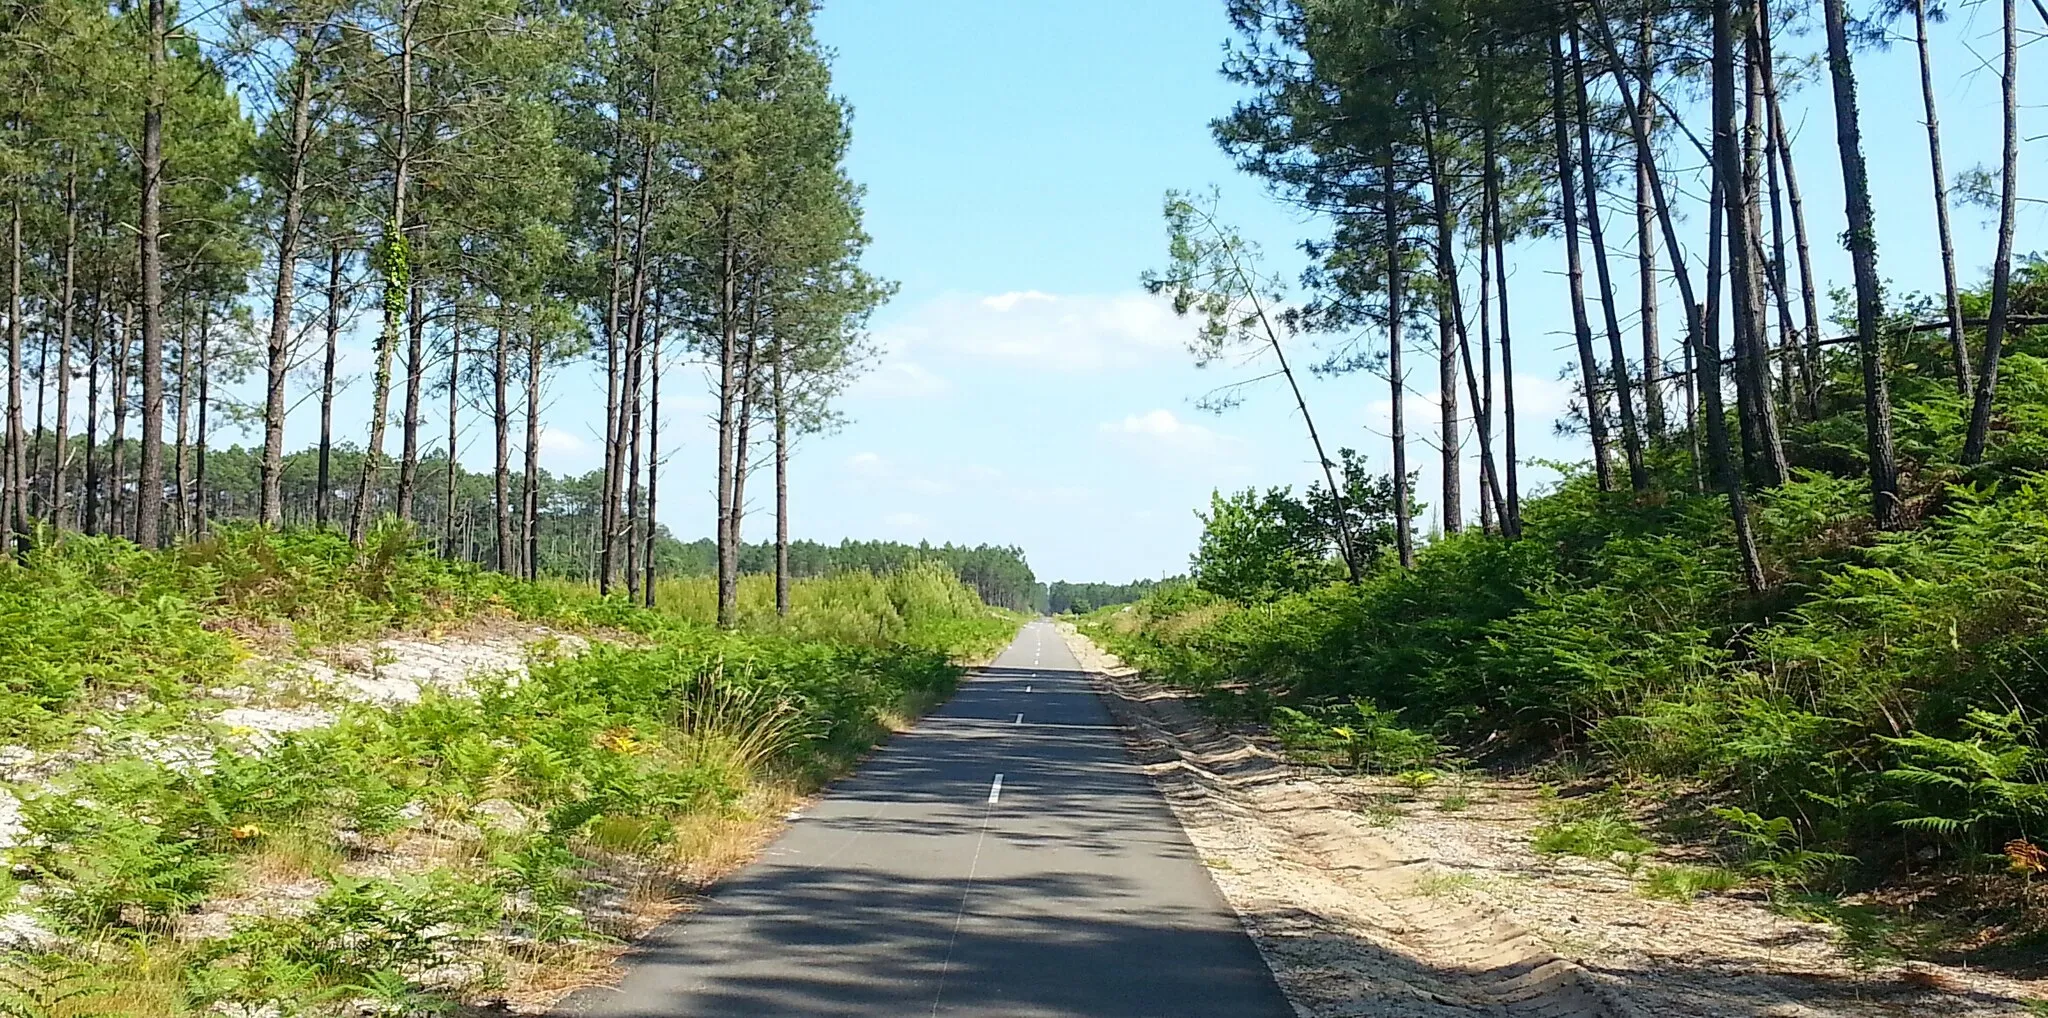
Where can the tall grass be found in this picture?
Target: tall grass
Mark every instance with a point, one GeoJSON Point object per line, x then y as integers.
{"type": "Point", "coordinates": [924, 605]}
{"type": "Point", "coordinates": [630, 764]}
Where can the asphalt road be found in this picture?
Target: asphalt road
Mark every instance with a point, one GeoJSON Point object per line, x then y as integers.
{"type": "Point", "coordinates": [1005, 858]}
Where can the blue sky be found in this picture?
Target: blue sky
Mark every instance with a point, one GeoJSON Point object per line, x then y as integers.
{"type": "Point", "coordinates": [1015, 156]}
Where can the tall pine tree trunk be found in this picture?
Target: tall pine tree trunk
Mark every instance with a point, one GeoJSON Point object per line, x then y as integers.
{"type": "Point", "coordinates": [60, 465]}
{"type": "Point", "coordinates": [636, 376]}
{"type": "Point", "coordinates": [270, 496]}
{"type": "Point", "coordinates": [779, 396]}
{"type": "Point", "coordinates": [529, 512]}
{"type": "Point", "coordinates": [415, 374]}
{"type": "Point", "coordinates": [118, 521]}
{"type": "Point", "coordinates": [1492, 509]}
{"type": "Point", "coordinates": [728, 372]}
{"type": "Point", "coordinates": [635, 311]}
{"type": "Point", "coordinates": [1390, 198]}
{"type": "Point", "coordinates": [16, 486]}
{"type": "Point", "coordinates": [89, 509]}
{"type": "Point", "coordinates": [1759, 351]}
{"type": "Point", "coordinates": [199, 493]}
{"type": "Point", "coordinates": [448, 545]}
{"type": "Point", "coordinates": [1646, 242]}
{"type": "Point", "coordinates": [743, 441]}
{"type": "Point", "coordinates": [2001, 268]}
{"type": "Point", "coordinates": [1808, 296]}
{"type": "Point", "coordinates": [653, 453]}
{"type": "Point", "coordinates": [1959, 351]}
{"type": "Point", "coordinates": [607, 506]}
{"type": "Point", "coordinates": [1707, 358]}
{"type": "Point", "coordinates": [1877, 409]}
{"type": "Point", "coordinates": [181, 464]}
{"type": "Point", "coordinates": [501, 424]}
{"type": "Point", "coordinates": [149, 482]}
{"type": "Point", "coordinates": [1449, 324]}
{"type": "Point", "coordinates": [396, 256]}
{"type": "Point", "coordinates": [1795, 366]}
{"type": "Point", "coordinates": [1453, 509]}
{"type": "Point", "coordinates": [1631, 434]}
{"type": "Point", "coordinates": [38, 501]}
{"type": "Point", "coordinates": [1575, 274]}
{"type": "Point", "coordinates": [1511, 520]}
{"type": "Point", "coordinates": [1733, 163]}
{"type": "Point", "coordinates": [323, 485]}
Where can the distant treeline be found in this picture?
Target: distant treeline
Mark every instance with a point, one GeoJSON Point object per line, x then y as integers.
{"type": "Point", "coordinates": [1000, 575]}
{"type": "Point", "coordinates": [223, 485]}
{"type": "Point", "coordinates": [1080, 598]}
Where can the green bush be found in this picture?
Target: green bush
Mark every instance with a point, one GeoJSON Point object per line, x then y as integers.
{"type": "Point", "coordinates": [1880, 695]}
{"type": "Point", "coordinates": [1358, 733]}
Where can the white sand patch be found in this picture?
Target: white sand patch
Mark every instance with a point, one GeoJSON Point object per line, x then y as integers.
{"type": "Point", "coordinates": [262, 727]}
{"type": "Point", "coordinates": [20, 930]}
{"type": "Point", "coordinates": [400, 671]}
{"type": "Point", "coordinates": [11, 827]}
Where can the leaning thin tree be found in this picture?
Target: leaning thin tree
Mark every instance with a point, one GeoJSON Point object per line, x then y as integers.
{"type": "Point", "coordinates": [1214, 273]}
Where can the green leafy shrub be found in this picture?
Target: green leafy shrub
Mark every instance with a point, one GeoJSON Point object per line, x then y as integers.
{"type": "Point", "coordinates": [1685, 882]}
{"type": "Point", "coordinates": [1858, 697]}
{"type": "Point", "coordinates": [1968, 790]}
{"type": "Point", "coordinates": [1593, 827]}
{"type": "Point", "coordinates": [1358, 733]}
{"type": "Point", "coordinates": [1774, 850]}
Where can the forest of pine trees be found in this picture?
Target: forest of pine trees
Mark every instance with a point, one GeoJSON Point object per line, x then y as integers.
{"type": "Point", "coordinates": [494, 189]}
{"type": "Point", "coordinates": [1436, 135]}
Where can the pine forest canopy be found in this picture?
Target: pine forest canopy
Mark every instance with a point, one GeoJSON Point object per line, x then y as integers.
{"type": "Point", "coordinates": [1080, 598]}
{"type": "Point", "coordinates": [1431, 136]}
{"type": "Point", "coordinates": [498, 189]}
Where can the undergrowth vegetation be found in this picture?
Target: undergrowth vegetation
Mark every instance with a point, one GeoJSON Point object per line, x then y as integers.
{"type": "Point", "coordinates": [403, 857]}
{"type": "Point", "coordinates": [1873, 715]}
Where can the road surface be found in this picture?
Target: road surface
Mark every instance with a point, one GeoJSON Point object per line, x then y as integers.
{"type": "Point", "coordinates": [1005, 858]}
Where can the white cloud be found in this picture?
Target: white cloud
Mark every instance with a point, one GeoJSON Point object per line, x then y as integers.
{"type": "Point", "coordinates": [561, 449]}
{"type": "Point", "coordinates": [908, 521]}
{"type": "Point", "coordinates": [1161, 433]}
{"type": "Point", "coordinates": [562, 443]}
{"type": "Point", "coordinates": [873, 471]}
{"type": "Point", "coordinates": [1157, 424]}
{"type": "Point", "coordinates": [1055, 332]}
{"type": "Point", "coordinates": [901, 379]}
{"type": "Point", "coordinates": [1051, 496]}
{"type": "Point", "coordinates": [1008, 301]}
{"type": "Point", "coordinates": [1540, 399]}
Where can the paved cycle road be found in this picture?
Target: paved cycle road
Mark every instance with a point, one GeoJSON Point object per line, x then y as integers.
{"type": "Point", "coordinates": [1004, 858]}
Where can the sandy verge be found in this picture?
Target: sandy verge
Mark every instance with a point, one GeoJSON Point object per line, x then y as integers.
{"type": "Point", "coordinates": [1368, 901]}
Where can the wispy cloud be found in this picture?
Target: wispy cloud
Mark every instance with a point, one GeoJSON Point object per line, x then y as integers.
{"type": "Point", "coordinates": [901, 378]}
{"type": "Point", "coordinates": [1163, 434]}
{"type": "Point", "coordinates": [1073, 333]}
